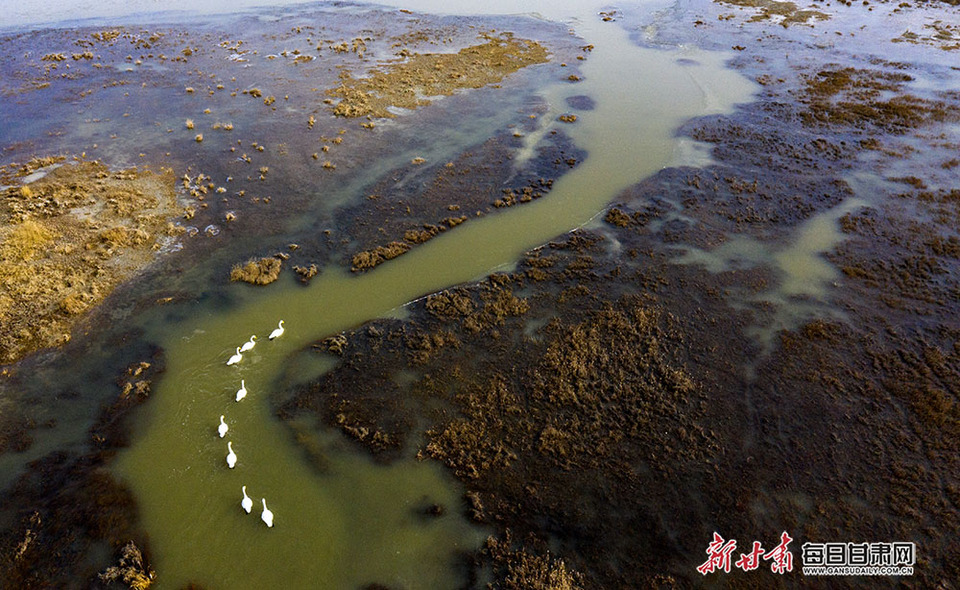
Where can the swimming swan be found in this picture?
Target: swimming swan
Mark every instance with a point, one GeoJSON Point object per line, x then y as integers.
{"type": "Point", "coordinates": [242, 392]}
{"type": "Point", "coordinates": [246, 503]}
{"type": "Point", "coordinates": [235, 358]}
{"type": "Point", "coordinates": [231, 456]}
{"type": "Point", "coordinates": [278, 332]}
{"type": "Point", "coordinates": [223, 428]}
{"type": "Point", "coordinates": [266, 516]}
{"type": "Point", "coordinates": [249, 345]}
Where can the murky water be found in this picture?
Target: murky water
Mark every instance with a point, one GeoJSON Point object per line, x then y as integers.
{"type": "Point", "coordinates": [340, 520]}
{"type": "Point", "coordinates": [804, 276]}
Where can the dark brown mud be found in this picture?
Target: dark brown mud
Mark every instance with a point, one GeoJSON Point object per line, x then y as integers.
{"type": "Point", "coordinates": [67, 519]}
{"type": "Point", "coordinates": [551, 427]}
{"type": "Point", "coordinates": [607, 408]}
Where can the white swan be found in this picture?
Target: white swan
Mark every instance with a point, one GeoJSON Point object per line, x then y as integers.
{"type": "Point", "coordinates": [242, 392]}
{"type": "Point", "coordinates": [246, 503]}
{"type": "Point", "coordinates": [248, 345]}
{"type": "Point", "coordinates": [266, 516]}
{"type": "Point", "coordinates": [223, 428]}
{"type": "Point", "coordinates": [231, 456]}
{"type": "Point", "coordinates": [235, 358]}
{"type": "Point", "coordinates": [278, 332]}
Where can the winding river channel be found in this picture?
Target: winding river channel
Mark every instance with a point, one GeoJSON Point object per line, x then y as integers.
{"type": "Point", "coordinates": [354, 522]}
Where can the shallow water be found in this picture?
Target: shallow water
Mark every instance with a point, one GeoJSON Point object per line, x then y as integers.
{"type": "Point", "coordinates": [803, 274]}
{"type": "Point", "coordinates": [342, 521]}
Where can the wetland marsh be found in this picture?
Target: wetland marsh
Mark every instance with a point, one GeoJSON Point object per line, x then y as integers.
{"type": "Point", "coordinates": [564, 291]}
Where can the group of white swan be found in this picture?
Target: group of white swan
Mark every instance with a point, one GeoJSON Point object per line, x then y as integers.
{"type": "Point", "coordinates": [247, 503]}
{"type": "Point", "coordinates": [248, 345]}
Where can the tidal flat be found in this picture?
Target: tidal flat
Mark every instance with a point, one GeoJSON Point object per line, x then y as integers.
{"type": "Point", "coordinates": [566, 291]}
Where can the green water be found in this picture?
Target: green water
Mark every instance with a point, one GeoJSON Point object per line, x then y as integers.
{"type": "Point", "coordinates": [353, 522]}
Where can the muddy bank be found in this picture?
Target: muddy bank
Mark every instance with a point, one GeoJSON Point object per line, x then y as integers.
{"type": "Point", "coordinates": [70, 537]}
{"type": "Point", "coordinates": [609, 406]}
{"type": "Point", "coordinates": [558, 394]}
{"type": "Point", "coordinates": [413, 204]}
{"type": "Point", "coordinates": [68, 523]}
{"type": "Point", "coordinates": [68, 238]}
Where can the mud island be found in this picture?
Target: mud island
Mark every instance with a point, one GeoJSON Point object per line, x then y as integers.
{"type": "Point", "coordinates": [410, 83]}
